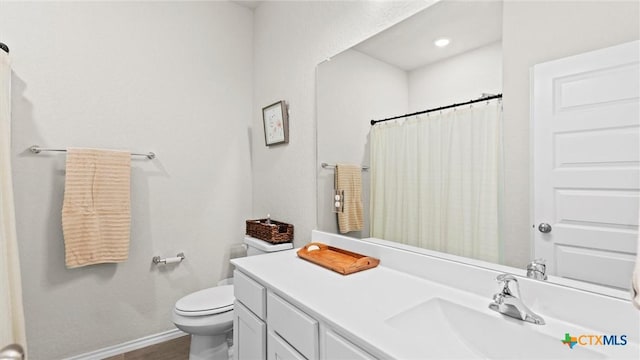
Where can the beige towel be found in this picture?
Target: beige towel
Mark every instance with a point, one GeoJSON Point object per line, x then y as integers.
{"type": "Point", "coordinates": [348, 178]}
{"type": "Point", "coordinates": [96, 213]}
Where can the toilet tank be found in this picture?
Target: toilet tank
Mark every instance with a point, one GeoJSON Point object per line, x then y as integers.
{"type": "Point", "coordinates": [257, 246]}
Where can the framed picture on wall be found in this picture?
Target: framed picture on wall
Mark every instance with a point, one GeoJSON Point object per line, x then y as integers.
{"type": "Point", "coordinates": [276, 123]}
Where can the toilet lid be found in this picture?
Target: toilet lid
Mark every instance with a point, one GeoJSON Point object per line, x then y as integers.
{"type": "Point", "coordinates": [210, 301]}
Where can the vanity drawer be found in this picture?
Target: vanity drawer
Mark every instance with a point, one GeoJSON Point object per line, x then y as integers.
{"type": "Point", "coordinates": [337, 347]}
{"type": "Point", "coordinates": [250, 293]}
{"type": "Point", "coordinates": [294, 326]}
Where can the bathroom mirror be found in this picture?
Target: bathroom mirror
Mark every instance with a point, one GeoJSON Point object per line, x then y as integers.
{"type": "Point", "coordinates": [401, 71]}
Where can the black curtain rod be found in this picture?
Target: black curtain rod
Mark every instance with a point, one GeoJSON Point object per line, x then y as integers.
{"type": "Point", "coordinates": [486, 98]}
{"type": "Point", "coordinates": [4, 47]}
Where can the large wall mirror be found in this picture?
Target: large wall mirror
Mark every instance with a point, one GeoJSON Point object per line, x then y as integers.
{"type": "Point", "coordinates": [402, 70]}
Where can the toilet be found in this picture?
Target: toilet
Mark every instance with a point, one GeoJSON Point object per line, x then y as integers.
{"type": "Point", "coordinates": [208, 314]}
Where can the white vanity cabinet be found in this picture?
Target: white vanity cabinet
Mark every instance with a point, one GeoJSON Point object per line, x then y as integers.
{"type": "Point", "coordinates": [266, 326]}
{"type": "Point", "coordinates": [249, 327]}
{"type": "Point", "coordinates": [289, 308]}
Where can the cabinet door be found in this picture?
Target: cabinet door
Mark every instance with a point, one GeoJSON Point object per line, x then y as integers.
{"type": "Point", "coordinates": [339, 348]}
{"type": "Point", "coordinates": [249, 334]}
{"type": "Point", "coordinates": [279, 349]}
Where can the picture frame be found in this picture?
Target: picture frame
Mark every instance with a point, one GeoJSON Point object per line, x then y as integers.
{"type": "Point", "coordinates": [276, 123]}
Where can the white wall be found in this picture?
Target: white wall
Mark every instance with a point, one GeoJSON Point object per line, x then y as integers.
{"type": "Point", "coordinates": [353, 88]}
{"type": "Point", "coordinates": [290, 39]}
{"type": "Point", "coordinates": [457, 79]}
{"type": "Point", "coordinates": [174, 78]}
{"type": "Point", "coordinates": [535, 32]}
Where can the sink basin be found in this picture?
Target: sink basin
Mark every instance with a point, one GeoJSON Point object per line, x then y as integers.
{"type": "Point", "coordinates": [472, 333]}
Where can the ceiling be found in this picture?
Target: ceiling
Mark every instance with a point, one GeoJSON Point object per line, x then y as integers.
{"type": "Point", "coordinates": [409, 44]}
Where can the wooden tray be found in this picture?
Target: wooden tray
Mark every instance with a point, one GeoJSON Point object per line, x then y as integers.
{"type": "Point", "coordinates": [336, 259]}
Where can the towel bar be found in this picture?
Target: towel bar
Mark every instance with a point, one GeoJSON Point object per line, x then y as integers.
{"type": "Point", "coordinates": [333, 166]}
{"type": "Point", "coordinates": [36, 149]}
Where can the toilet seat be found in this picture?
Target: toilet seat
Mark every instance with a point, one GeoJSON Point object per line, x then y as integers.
{"type": "Point", "coordinates": [215, 300]}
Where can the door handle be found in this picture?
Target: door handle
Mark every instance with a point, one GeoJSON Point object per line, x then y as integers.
{"type": "Point", "coordinates": [12, 352]}
{"type": "Point", "coordinates": [544, 228]}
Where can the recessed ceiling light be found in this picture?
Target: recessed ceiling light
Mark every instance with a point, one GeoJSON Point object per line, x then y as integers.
{"type": "Point", "coordinates": [442, 42]}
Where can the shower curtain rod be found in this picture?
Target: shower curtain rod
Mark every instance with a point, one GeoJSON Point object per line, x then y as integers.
{"type": "Point", "coordinates": [491, 97]}
{"type": "Point", "coordinates": [4, 47]}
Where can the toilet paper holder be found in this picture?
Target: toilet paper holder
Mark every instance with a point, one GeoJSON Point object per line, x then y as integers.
{"type": "Point", "coordinates": [178, 258]}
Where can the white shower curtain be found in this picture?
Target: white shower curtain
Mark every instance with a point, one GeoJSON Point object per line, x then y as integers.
{"type": "Point", "coordinates": [11, 312]}
{"type": "Point", "coordinates": [436, 181]}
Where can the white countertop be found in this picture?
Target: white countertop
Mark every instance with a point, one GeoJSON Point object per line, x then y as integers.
{"type": "Point", "coordinates": [418, 305]}
{"type": "Point", "coordinates": [359, 305]}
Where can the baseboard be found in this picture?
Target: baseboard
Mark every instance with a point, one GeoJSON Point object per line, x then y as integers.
{"type": "Point", "coordinates": [130, 345]}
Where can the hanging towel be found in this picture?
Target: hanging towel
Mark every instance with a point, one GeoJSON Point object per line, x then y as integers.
{"type": "Point", "coordinates": [348, 178]}
{"type": "Point", "coordinates": [96, 212]}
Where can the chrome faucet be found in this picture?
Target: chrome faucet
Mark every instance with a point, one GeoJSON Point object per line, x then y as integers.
{"type": "Point", "coordinates": [505, 302]}
{"type": "Point", "coordinates": [537, 269]}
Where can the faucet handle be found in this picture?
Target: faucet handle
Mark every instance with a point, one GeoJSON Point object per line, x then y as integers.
{"type": "Point", "coordinates": [498, 298]}
{"type": "Point", "coordinates": [505, 280]}
{"type": "Point", "coordinates": [537, 269]}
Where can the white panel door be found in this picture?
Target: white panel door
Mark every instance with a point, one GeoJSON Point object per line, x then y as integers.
{"type": "Point", "coordinates": [586, 154]}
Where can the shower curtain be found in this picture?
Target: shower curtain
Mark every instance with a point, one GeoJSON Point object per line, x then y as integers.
{"type": "Point", "coordinates": [11, 312]}
{"type": "Point", "coordinates": [436, 181]}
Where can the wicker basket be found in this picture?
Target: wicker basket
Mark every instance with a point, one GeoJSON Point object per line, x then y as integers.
{"type": "Point", "coordinates": [276, 232]}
